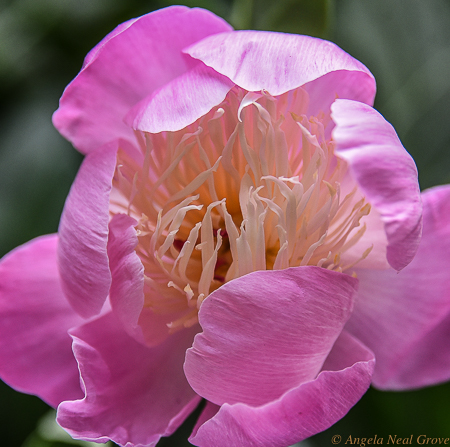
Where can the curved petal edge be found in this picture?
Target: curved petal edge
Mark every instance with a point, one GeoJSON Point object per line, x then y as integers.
{"type": "Point", "coordinates": [128, 65]}
{"type": "Point", "coordinates": [181, 101]}
{"type": "Point", "coordinates": [301, 412]}
{"type": "Point", "coordinates": [385, 172]}
{"type": "Point", "coordinates": [277, 62]}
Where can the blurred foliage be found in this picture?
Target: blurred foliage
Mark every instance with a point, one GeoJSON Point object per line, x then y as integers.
{"type": "Point", "coordinates": [406, 44]}
{"type": "Point", "coordinates": [381, 413]}
{"type": "Point", "coordinates": [19, 414]}
{"type": "Point", "coordinates": [47, 38]}
{"type": "Point", "coordinates": [289, 16]}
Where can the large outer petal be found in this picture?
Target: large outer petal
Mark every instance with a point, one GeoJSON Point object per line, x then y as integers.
{"type": "Point", "coordinates": [385, 172]}
{"type": "Point", "coordinates": [405, 318]}
{"type": "Point", "coordinates": [134, 394]}
{"type": "Point", "coordinates": [35, 349]}
{"type": "Point", "coordinates": [277, 62]}
{"type": "Point", "coordinates": [301, 412]}
{"type": "Point", "coordinates": [83, 231]}
{"type": "Point", "coordinates": [129, 64]}
{"type": "Point", "coordinates": [267, 332]}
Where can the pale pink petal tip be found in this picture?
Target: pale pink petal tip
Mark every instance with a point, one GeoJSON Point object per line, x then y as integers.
{"type": "Point", "coordinates": [385, 172]}
{"type": "Point", "coordinates": [127, 286]}
{"type": "Point", "coordinates": [35, 349]}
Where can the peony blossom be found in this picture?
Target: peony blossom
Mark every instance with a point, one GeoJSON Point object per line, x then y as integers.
{"type": "Point", "coordinates": [245, 229]}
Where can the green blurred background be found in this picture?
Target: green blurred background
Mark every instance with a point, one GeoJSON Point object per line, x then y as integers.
{"type": "Point", "coordinates": [406, 45]}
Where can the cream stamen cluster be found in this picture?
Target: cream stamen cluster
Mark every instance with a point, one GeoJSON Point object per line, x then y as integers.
{"type": "Point", "coordinates": [252, 185]}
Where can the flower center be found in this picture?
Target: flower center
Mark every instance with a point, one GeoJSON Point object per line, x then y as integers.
{"type": "Point", "coordinates": [252, 185]}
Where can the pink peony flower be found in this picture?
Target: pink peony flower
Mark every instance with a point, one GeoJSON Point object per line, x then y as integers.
{"type": "Point", "coordinates": [235, 233]}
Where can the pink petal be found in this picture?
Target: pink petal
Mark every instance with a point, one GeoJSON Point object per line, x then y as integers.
{"type": "Point", "coordinates": [207, 413]}
{"type": "Point", "coordinates": [83, 231]}
{"type": "Point", "coordinates": [272, 330]}
{"type": "Point", "coordinates": [181, 101]}
{"type": "Point", "coordinates": [127, 287]}
{"type": "Point", "coordinates": [35, 348]}
{"type": "Point", "coordinates": [92, 55]}
{"type": "Point", "coordinates": [404, 318]}
{"type": "Point", "coordinates": [385, 172]}
{"type": "Point", "coordinates": [344, 84]}
{"type": "Point", "coordinates": [128, 65]}
{"type": "Point", "coordinates": [301, 412]}
{"type": "Point", "coordinates": [278, 62]}
{"type": "Point", "coordinates": [134, 394]}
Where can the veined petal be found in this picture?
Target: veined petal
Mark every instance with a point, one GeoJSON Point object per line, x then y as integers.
{"type": "Point", "coordinates": [301, 412]}
{"type": "Point", "coordinates": [133, 394]}
{"type": "Point", "coordinates": [128, 65]}
{"type": "Point", "coordinates": [404, 317]}
{"type": "Point", "coordinates": [385, 172]}
{"type": "Point", "coordinates": [306, 307]}
{"type": "Point", "coordinates": [35, 348]}
{"type": "Point", "coordinates": [277, 62]}
{"type": "Point", "coordinates": [181, 101]}
{"type": "Point", "coordinates": [83, 232]}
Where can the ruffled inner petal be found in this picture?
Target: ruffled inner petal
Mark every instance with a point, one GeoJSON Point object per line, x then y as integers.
{"type": "Point", "coordinates": [133, 394]}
